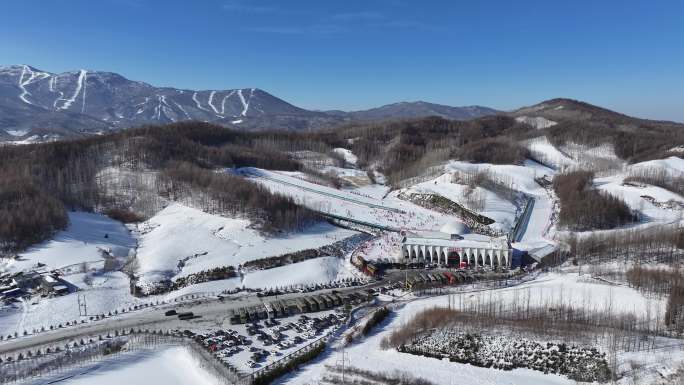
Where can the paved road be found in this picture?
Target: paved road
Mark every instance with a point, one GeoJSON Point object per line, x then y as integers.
{"type": "Point", "coordinates": [213, 312]}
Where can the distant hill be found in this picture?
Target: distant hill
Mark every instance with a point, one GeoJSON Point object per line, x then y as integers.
{"type": "Point", "coordinates": [37, 105]}
{"type": "Point", "coordinates": [572, 121]}
{"type": "Point", "coordinates": [410, 110]}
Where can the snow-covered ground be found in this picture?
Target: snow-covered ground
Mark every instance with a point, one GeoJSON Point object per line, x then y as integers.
{"type": "Point", "coordinates": [672, 166]}
{"type": "Point", "coordinates": [550, 290]}
{"type": "Point", "coordinates": [174, 233]}
{"type": "Point", "coordinates": [83, 241]}
{"type": "Point", "coordinates": [522, 178]}
{"type": "Point", "coordinates": [537, 122]}
{"type": "Point", "coordinates": [562, 288]}
{"type": "Point", "coordinates": [173, 365]}
{"type": "Point", "coordinates": [634, 196]}
{"type": "Point", "coordinates": [546, 152]}
{"type": "Point", "coordinates": [390, 211]}
{"type": "Point", "coordinates": [494, 207]}
{"type": "Point", "coordinates": [349, 156]}
{"type": "Point", "coordinates": [205, 241]}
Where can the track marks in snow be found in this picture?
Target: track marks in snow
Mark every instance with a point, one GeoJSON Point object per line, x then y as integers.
{"type": "Point", "coordinates": [143, 104]}
{"type": "Point", "coordinates": [30, 76]}
{"type": "Point", "coordinates": [245, 104]}
{"type": "Point", "coordinates": [79, 86]}
{"type": "Point", "coordinates": [197, 102]}
{"type": "Point", "coordinates": [211, 101]}
{"type": "Point", "coordinates": [182, 109]}
{"type": "Point", "coordinates": [163, 108]}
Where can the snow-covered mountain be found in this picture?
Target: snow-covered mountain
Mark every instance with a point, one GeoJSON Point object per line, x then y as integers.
{"type": "Point", "coordinates": [33, 101]}
{"type": "Point", "coordinates": [39, 105]}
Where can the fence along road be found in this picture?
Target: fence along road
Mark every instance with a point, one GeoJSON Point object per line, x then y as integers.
{"type": "Point", "coordinates": [154, 318]}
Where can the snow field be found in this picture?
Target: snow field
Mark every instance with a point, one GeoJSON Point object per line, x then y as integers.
{"type": "Point", "coordinates": [204, 241]}
{"type": "Point", "coordinates": [83, 241]}
{"type": "Point", "coordinates": [496, 208]}
{"type": "Point", "coordinates": [173, 365]}
{"type": "Point", "coordinates": [346, 203]}
{"type": "Point", "coordinates": [542, 149]}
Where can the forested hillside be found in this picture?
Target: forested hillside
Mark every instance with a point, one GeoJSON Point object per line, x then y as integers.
{"type": "Point", "coordinates": [40, 182]}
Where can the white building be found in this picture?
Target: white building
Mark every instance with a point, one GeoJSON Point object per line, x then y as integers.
{"type": "Point", "coordinates": [453, 245]}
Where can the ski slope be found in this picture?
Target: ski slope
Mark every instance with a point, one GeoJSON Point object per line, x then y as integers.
{"type": "Point", "coordinates": [390, 211]}
{"type": "Point", "coordinates": [205, 241]}
{"type": "Point", "coordinates": [547, 153]}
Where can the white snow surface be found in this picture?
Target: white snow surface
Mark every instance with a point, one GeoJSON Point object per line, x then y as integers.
{"type": "Point", "coordinates": [66, 103]}
{"type": "Point", "coordinates": [496, 208]}
{"type": "Point", "coordinates": [211, 241]}
{"type": "Point", "coordinates": [390, 211]}
{"type": "Point", "coordinates": [537, 122]}
{"type": "Point", "coordinates": [80, 242]}
{"type": "Point", "coordinates": [245, 104]}
{"type": "Point", "coordinates": [349, 156]}
{"type": "Point", "coordinates": [173, 365]}
{"type": "Point", "coordinates": [197, 102]}
{"type": "Point", "coordinates": [521, 178]}
{"type": "Point", "coordinates": [633, 196]}
{"type": "Point", "coordinates": [673, 165]}
{"type": "Point", "coordinates": [546, 152]}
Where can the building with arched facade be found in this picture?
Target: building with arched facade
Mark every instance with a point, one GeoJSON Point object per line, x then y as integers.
{"type": "Point", "coordinates": [454, 245]}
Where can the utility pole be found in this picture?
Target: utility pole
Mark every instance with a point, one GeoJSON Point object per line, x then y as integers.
{"type": "Point", "coordinates": [342, 361]}
{"type": "Point", "coordinates": [82, 306]}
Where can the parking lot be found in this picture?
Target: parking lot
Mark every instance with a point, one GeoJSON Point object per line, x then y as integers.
{"type": "Point", "coordinates": [247, 347]}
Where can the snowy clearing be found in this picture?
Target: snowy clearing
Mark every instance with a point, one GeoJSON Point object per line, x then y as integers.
{"type": "Point", "coordinates": [83, 241]}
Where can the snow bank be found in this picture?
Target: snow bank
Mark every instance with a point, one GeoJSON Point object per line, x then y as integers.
{"type": "Point", "coordinates": [313, 271]}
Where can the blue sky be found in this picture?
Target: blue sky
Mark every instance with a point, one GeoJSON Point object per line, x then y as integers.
{"type": "Point", "coordinates": [624, 55]}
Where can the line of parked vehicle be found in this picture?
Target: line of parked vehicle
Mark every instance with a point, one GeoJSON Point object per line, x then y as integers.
{"type": "Point", "coordinates": [275, 337]}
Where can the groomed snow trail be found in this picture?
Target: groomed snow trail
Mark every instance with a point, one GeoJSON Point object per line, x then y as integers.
{"type": "Point", "coordinates": [245, 105]}
{"type": "Point", "coordinates": [223, 102]}
{"type": "Point", "coordinates": [197, 102]}
{"type": "Point", "coordinates": [23, 83]}
{"type": "Point", "coordinates": [211, 101]}
{"type": "Point", "coordinates": [79, 85]}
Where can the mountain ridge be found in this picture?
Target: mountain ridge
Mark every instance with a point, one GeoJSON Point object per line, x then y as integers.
{"type": "Point", "coordinates": [81, 102]}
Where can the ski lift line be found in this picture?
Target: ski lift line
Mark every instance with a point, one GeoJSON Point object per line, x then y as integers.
{"type": "Point", "coordinates": [367, 204]}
